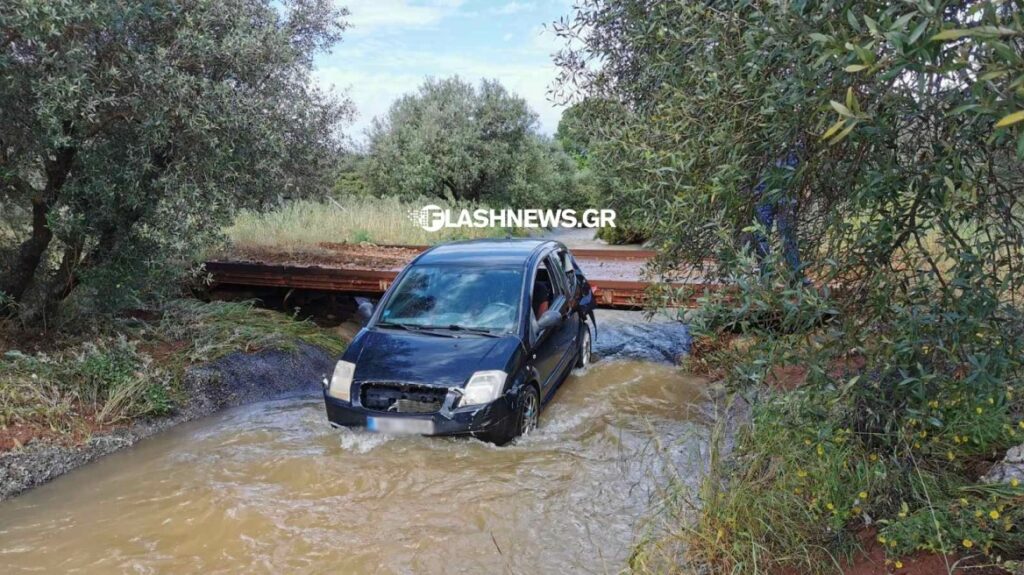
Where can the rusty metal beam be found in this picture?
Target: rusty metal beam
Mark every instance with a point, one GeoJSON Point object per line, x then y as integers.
{"type": "Point", "coordinates": [609, 293]}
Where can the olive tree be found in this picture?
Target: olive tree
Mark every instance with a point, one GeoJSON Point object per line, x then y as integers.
{"type": "Point", "coordinates": [474, 143]}
{"type": "Point", "coordinates": [905, 118]}
{"type": "Point", "coordinates": [890, 136]}
{"type": "Point", "coordinates": [887, 141]}
{"type": "Point", "coordinates": [131, 131]}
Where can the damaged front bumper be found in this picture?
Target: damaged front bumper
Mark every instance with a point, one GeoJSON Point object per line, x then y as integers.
{"type": "Point", "coordinates": [484, 421]}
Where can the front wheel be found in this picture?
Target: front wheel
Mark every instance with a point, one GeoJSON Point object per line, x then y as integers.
{"type": "Point", "coordinates": [527, 416]}
{"type": "Point", "coordinates": [586, 345]}
{"type": "Point", "coordinates": [529, 411]}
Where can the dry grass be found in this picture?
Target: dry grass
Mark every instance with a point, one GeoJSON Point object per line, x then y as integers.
{"type": "Point", "coordinates": [352, 220]}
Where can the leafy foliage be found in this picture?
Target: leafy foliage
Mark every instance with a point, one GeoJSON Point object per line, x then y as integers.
{"type": "Point", "coordinates": [129, 133]}
{"type": "Point", "coordinates": [454, 140]}
{"type": "Point", "coordinates": [904, 120]}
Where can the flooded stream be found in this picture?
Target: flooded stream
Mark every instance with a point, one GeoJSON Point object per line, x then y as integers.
{"type": "Point", "coordinates": [271, 488]}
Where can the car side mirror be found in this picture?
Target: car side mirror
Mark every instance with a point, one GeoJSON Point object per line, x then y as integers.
{"type": "Point", "coordinates": [550, 318]}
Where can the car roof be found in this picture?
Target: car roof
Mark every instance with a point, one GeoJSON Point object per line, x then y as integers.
{"type": "Point", "coordinates": [496, 252]}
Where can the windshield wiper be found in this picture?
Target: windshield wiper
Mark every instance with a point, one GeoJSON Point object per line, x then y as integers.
{"type": "Point", "coordinates": [405, 326]}
{"type": "Point", "coordinates": [414, 328]}
{"type": "Point", "coordinates": [473, 330]}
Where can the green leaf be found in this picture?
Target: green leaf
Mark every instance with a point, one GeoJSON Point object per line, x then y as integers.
{"type": "Point", "coordinates": [951, 34]}
{"type": "Point", "coordinates": [964, 108]}
{"type": "Point", "coordinates": [918, 31]}
{"type": "Point", "coordinates": [843, 110]}
{"type": "Point", "coordinates": [872, 25]}
{"type": "Point", "coordinates": [1009, 119]}
{"type": "Point", "coordinates": [851, 101]}
{"type": "Point", "coordinates": [988, 31]}
{"type": "Point", "coordinates": [852, 19]}
{"type": "Point", "coordinates": [993, 75]}
{"type": "Point", "coordinates": [818, 37]}
{"type": "Point", "coordinates": [901, 22]}
{"type": "Point", "coordinates": [855, 68]}
{"type": "Point", "coordinates": [845, 132]}
{"type": "Point", "coordinates": [833, 129]}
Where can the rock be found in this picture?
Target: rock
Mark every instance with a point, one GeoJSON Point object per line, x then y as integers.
{"type": "Point", "coordinates": [1011, 467]}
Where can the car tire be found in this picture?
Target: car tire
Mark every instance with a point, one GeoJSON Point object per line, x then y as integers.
{"type": "Point", "coordinates": [583, 356]}
{"type": "Point", "coordinates": [527, 417]}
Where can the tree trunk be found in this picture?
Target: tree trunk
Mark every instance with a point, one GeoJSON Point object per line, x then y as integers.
{"type": "Point", "coordinates": [31, 251]}
{"type": "Point", "coordinates": [64, 281]}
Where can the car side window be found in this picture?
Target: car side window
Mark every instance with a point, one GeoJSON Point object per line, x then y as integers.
{"type": "Point", "coordinates": [543, 292]}
{"type": "Point", "coordinates": [558, 273]}
{"type": "Point", "coordinates": [570, 270]}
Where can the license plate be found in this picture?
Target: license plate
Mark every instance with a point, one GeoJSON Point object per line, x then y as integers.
{"type": "Point", "coordinates": [400, 425]}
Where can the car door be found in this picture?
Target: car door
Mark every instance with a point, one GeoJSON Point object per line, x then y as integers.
{"type": "Point", "coordinates": [566, 333]}
{"type": "Point", "coordinates": [545, 345]}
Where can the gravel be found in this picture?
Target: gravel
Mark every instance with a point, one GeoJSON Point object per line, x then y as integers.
{"type": "Point", "coordinates": [235, 379]}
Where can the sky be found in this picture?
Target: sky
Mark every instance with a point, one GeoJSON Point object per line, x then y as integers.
{"type": "Point", "coordinates": [393, 45]}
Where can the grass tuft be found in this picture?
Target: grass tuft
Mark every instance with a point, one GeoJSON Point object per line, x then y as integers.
{"type": "Point", "coordinates": [133, 368]}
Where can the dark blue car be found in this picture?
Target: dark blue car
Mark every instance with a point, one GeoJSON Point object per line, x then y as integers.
{"type": "Point", "coordinates": [473, 338]}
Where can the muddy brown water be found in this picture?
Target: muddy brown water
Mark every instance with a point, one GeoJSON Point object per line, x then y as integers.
{"type": "Point", "coordinates": [271, 488]}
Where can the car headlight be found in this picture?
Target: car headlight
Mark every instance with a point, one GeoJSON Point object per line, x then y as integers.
{"type": "Point", "coordinates": [341, 381]}
{"type": "Point", "coordinates": [483, 387]}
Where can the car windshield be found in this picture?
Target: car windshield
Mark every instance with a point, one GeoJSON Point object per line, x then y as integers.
{"type": "Point", "coordinates": [452, 297]}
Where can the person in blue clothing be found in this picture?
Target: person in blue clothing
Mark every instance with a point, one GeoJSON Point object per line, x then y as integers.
{"type": "Point", "coordinates": [778, 210]}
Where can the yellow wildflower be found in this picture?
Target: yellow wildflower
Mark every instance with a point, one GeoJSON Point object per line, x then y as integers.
{"type": "Point", "coordinates": [801, 473]}
{"type": "Point", "coordinates": [829, 506]}
{"type": "Point", "coordinates": [863, 495]}
{"type": "Point", "coordinates": [993, 514]}
{"type": "Point", "coordinates": [881, 539]}
{"type": "Point", "coordinates": [873, 457]}
{"type": "Point", "coordinates": [950, 456]}
{"type": "Point", "coordinates": [821, 450]}
{"type": "Point", "coordinates": [968, 543]}
{"type": "Point", "coordinates": [899, 564]}
{"type": "Point", "coordinates": [979, 410]}
{"type": "Point", "coordinates": [1014, 482]}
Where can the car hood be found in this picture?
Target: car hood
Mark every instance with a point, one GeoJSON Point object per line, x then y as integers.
{"type": "Point", "coordinates": [386, 355]}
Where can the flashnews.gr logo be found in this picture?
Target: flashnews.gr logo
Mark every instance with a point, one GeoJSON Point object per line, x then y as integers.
{"type": "Point", "coordinates": [433, 218]}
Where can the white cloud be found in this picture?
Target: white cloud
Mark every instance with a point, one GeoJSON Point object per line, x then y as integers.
{"type": "Point", "coordinates": [373, 15]}
{"type": "Point", "coordinates": [515, 8]}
